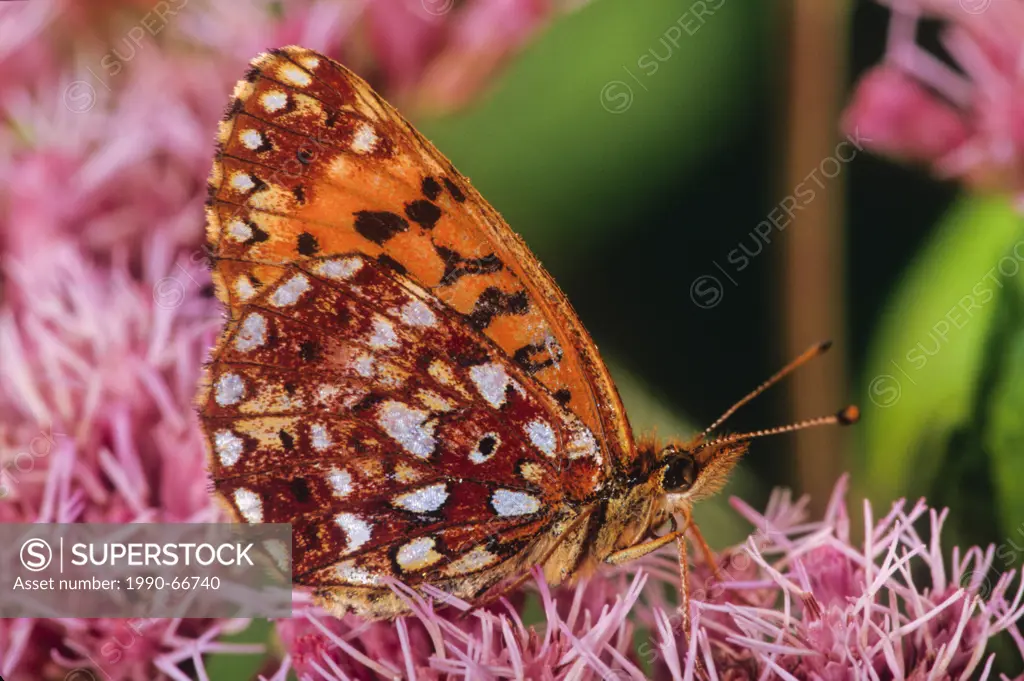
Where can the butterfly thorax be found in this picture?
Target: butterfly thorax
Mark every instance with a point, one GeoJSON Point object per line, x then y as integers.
{"type": "Point", "coordinates": [626, 517]}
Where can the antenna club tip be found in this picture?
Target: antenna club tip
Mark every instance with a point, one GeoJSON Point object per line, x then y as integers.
{"type": "Point", "coordinates": [848, 415]}
{"type": "Point", "coordinates": [824, 346]}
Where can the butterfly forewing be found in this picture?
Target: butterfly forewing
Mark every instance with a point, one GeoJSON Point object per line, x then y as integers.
{"type": "Point", "coordinates": [398, 378]}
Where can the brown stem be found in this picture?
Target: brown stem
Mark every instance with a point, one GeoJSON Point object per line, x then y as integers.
{"type": "Point", "coordinates": [813, 300]}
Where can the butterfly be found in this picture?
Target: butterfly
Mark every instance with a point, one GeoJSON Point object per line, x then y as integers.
{"type": "Point", "coordinates": [399, 378]}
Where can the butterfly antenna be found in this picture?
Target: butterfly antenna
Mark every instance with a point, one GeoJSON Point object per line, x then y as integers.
{"type": "Point", "coordinates": [806, 356]}
{"type": "Point", "coordinates": [845, 417]}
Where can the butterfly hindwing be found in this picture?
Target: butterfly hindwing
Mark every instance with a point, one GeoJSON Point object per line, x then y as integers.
{"type": "Point", "coordinates": [348, 401]}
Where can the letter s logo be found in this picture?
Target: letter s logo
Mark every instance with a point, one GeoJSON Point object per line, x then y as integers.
{"type": "Point", "coordinates": [36, 555]}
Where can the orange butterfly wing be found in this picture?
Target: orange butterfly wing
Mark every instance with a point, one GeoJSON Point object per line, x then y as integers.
{"type": "Point", "coordinates": [334, 165]}
{"type": "Point", "coordinates": [371, 290]}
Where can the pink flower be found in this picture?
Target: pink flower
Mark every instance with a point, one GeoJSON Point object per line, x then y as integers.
{"type": "Point", "coordinates": [95, 412]}
{"type": "Point", "coordinates": [122, 119]}
{"type": "Point", "coordinates": [105, 318]}
{"type": "Point", "coordinates": [892, 605]}
{"type": "Point", "coordinates": [798, 600]}
{"type": "Point", "coordinates": [916, 108]}
{"type": "Point", "coordinates": [898, 116]}
{"type": "Point", "coordinates": [437, 54]}
{"type": "Point", "coordinates": [587, 635]}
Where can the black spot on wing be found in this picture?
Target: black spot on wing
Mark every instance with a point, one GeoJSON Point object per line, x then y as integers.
{"type": "Point", "coordinates": [264, 146]}
{"type": "Point", "coordinates": [494, 302]}
{"type": "Point", "coordinates": [258, 235]}
{"type": "Point", "coordinates": [431, 188]}
{"type": "Point", "coordinates": [235, 107]}
{"type": "Point", "coordinates": [309, 351]}
{"type": "Point", "coordinates": [300, 490]}
{"type": "Point", "coordinates": [537, 356]}
{"type": "Point", "coordinates": [423, 213]}
{"type": "Point", "coordinates": [425, 359]}
{"type": "Point", "coordinates": [287, 440]}
{"type": "Point", "coordinates": [379, 226]}
{"type": "Point", "coordinates": [487, 444]}
{"type": "Point", "coordinates": [454, 190]}
{"type": "Point", "coordinates": [470, 356]}
{"type": "Point", "coordinates": [368, 402]}
{"type": "Point", "coordinates": [258, 185]}
{"type": "Point", "coordinates": [307, 244]}
{"type": "Point", "coordinates": [563, 396]}
{"type": "Point", "coordinates": [455, 266]}
{"type": "Point", "coordinates": [389, 262]}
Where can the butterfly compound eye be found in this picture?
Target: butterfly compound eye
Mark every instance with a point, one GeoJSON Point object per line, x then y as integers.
{"type": "Point", "coordinates": [680, 472]}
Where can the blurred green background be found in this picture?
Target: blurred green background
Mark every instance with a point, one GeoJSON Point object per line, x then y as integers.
{"type": "Point", "coordinates": [627, 208]}
{"type": "Point", "coordinates": [630, 183]}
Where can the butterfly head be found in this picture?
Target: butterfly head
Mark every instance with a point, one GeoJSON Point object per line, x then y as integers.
{"type": "Point", "coordinates": [693, 472]}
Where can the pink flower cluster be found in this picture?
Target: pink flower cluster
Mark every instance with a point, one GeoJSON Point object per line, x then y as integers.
{"type": "Point", "coordinates": [106, 137]}
{"type": "Point", "coordinates": [799, 600]}
{"type": "Point", "coordinates": [966, 123]}
{"type": "Point", "coordinates": [106, 316]}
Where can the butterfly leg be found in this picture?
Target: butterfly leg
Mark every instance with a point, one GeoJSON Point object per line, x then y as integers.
{"type": "Point", "coordinates": [641, 550]}
{"type": "Point", "coordinates": [684, 585]}
{"type": "Point", "coordinates": [684, 597]}
{"type": "Point", "coordinates": [684, 567]}
{"type": "Point", "coordinates": [709, 556]}
{"type": "Point", "coordinates": [684, 582]}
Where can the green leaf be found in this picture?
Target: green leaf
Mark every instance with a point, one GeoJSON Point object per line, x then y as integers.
{"type": "Point", "coordinates": [921, 381]}
{"type": "Point", "coordinates": [586, 123]}
{"type": "Point", "coordinates": [1003, 423]}
{"type": "Point", "coordinates": [233, 667]}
